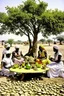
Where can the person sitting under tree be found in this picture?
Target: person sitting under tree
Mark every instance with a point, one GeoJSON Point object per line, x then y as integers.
{"type": "Point", "coordinates": [42, 55]}
{"type": "Point", "coordinates": [17, 56]}
{"type": "Point", "coordinates": [7, 48]}
{"type": "Point", "coordinates": [6, 64]}
{"type": "Point", "coordinates": [56, 68]}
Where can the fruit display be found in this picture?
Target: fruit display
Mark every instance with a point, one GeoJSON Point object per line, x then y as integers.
{"type": "Point", "coordinates": [29, 59]}
{"type": "Point", "coordinates": [30, 65]}
{"type": "Point", "coordinates": [39, 61]}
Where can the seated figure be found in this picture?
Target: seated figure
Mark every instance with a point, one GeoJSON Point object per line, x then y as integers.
{"type": "Point", "coordinates": [42, 55]}
{"type": "Point", "coordinates": [6, 64]}
{"type": "Point", "coordinates": [17, 56]}
{"type": "Point", "coordinates": [7, 48]}
{"type": "Point", "coordinates": [56, 68]}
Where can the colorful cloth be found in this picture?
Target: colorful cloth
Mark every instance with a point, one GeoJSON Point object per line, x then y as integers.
{"type": "Point", "coordinates": [17, 57]}
{"type": "Point", "coordinates": [42, 53]}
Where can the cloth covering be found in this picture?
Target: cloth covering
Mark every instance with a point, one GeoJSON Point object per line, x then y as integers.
{"type": "Point", "coordinates": [42, 53]}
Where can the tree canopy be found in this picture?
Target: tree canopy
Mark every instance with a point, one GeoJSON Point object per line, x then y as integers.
{"type": "Point", "coordinates": [60, 38]}
{"type": "Point", "coordinates": [30, 18]}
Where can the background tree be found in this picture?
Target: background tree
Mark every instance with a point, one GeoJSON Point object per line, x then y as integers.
{"type": "Point", "coordinates": [31, 18]}
{"type": "Point", "coordinates": [43, 40]}
{"type": "Point", "coordinates": [60, 39]}
{"type": "Point", "coordinates": [10, 41]}
{"type": "Point", "coordinates": [18, 42]}
{"type": "Point", "coordinates": [49, 41]}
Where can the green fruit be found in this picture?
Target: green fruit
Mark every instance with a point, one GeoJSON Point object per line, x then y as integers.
{"type": "Point", "coordinates": [15, 66]}
{"type": "Point", "coordinates": [38, 65]}
{"type": "Point", "coordinates": [27, 66]}
{"type": "Point", "coordinates": [23, 64]}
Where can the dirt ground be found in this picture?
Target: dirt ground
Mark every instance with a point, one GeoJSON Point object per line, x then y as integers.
{"type": "Point", "coordinates": [49, 49]}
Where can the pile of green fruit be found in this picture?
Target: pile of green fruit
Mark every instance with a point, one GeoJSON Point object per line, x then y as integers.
{"type": "Point", "coordinates": [15, 66]}
{"type": "Point", "coordinates": [30, 63]}
{"type": "Point", "coordinates": [29, 59]}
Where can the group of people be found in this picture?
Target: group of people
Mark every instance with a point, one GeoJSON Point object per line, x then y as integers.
{"type": "Point", "coordinates": [9, 59]}
{"type": "Point", "coordinates": [55, 64]}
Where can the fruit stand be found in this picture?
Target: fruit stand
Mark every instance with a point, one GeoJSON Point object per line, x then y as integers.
{"type": "Point", "coordinates": [24, 71]}
{"type": "Point", "coordinates": [29, 66]}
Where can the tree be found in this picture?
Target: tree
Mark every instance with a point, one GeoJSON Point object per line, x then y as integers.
{"type": "Point", "coordinates": [18, 41]}
{"type": "Point", "coordinates": [60, 39]}
{"type": "Point", "coordinates": [31, 18]}
{"type": "Point", "coordinates": [10, 41]}
{"type": "Point", "coordinates": [43, 40]}
{"type": "Point", "coordinates": [3, 18]}
{"type": "Point", "coordinates": [49, 41]}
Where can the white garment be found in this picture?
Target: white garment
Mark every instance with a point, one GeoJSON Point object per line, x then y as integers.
{"type": "Point", "coordinates": [4, 53]}
{"type": "Point", "coordinates": [56, 69]}
{"type": "Point", "coordinates": [8, 62]}
{"type": "Point", "coordinates": [5, 71]}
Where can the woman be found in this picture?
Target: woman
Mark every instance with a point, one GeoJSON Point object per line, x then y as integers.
{"type": "Point", "coordinates": [17, 56]}
{"type": "Point", "coordinates": [6, 64]}
{"type": "Point", "coordinates": [7, 48]}
{"type": "Point", "coordinates": [42, 55]}
{"type": "Point", "coordinates": [56, 68]}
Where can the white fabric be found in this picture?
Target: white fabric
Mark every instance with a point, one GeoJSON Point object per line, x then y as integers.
{"type": "Point", "coordinates": [8, 45]}
{"type": "Point", "coordinates": [56, 69]}
{"type": "Point", "coordinates": [56, 55]}
{"type": "Point", "coordinates": [5, 71]}
{"type": "Point", "coordinates": [6, 51]}
{"type": "Point", "coordinates": [8, 62]}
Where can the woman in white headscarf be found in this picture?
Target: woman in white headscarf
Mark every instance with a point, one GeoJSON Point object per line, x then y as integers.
{"type": "Point", "coordinates": [7, 48]}
{"type": "Point", "coordinates": [56, 68]}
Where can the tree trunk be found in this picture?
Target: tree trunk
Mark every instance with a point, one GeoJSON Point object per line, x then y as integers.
{"type": "Point", "coordinates": [30, 47]}
{"type": "Point", "coordinates": [34, 49]}
{"type": "Point", "coordinates": [49, 43]}
{"type": "Point", "coordinates": [30, 43]}
{"type": "Point", "coordinates": [60, 42]}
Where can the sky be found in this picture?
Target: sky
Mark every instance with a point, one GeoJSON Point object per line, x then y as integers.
{"type": "Point", "coordinates": [52, 4]}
